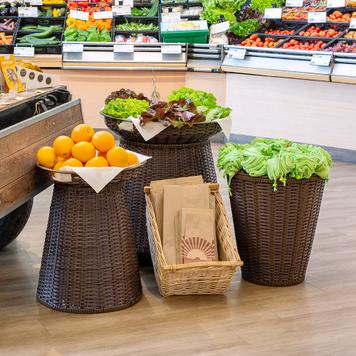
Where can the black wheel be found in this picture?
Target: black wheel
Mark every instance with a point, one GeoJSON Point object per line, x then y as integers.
{"type": "Point", "coordinates": [12, 224]}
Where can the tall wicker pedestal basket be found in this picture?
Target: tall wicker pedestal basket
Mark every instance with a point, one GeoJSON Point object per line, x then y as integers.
{"type": "Point", "coordinates": [168, 161]}
{"type": "Point", "coordinates": [275, 230]}
{"type": "Point", "coordinates": [89, 263]}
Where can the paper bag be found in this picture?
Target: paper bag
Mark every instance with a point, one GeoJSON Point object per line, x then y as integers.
{"type": "Point", "coordinates": [175, 198]}
{"type": "Point", "coordinates": [157, 195]}
{"type": "Point", "coordinates": [198, 240]}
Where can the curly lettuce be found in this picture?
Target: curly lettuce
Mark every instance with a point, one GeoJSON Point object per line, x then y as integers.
{"type": "Point", "coordinates": [125, 108]}
{"type": "Point", "coordinates": [277, 159]}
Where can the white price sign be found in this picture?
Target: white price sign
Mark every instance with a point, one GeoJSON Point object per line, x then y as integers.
{"type": "Point", "coordinates": [79, 15]}
{"type": "Point", "coordinates": [171, 49]}
{"type": "Point", "coordinates": [294, 3]}
{"type": "Point", "coordinates": [73, 48]}
{"type": "Point", "coordinates": [129, 3]}
{"type": "Point", "coordinates": [35, 2]}
{"type": "Point", "coordinates": [123, 48]}
{"type": "Point", "coordinates": [321, 60]}
{"type": "Point", "coordinates": [24, 51]}
{"type": "Point", "coordinates": [273, 13]}
{"type": "Point", "coordinates": [170, 17]}
{"type": "Point", "coordinates": [335, 3]}
{"type": "Point", "coordinates": [237, 53]}
{"type": "Point", "coordinates": [353, 23]}
{"type": "Point", "coordinates": [28, 11]}
{"type": "Point", "coordinates": [121, 10]}
{"type": "Point", "coordinates": [102, 15]}
{"type": "Point", "coordinates": [219, 27]}
{"type": "Point", "coordinates": [316, 17]}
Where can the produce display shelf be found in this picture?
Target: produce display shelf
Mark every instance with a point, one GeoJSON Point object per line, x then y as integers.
{"type": "Point", "coordinates": [181, 3]}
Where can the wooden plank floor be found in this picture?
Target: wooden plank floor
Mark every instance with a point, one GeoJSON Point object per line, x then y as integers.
{"type": "Point", "coordinates": [314, 318]}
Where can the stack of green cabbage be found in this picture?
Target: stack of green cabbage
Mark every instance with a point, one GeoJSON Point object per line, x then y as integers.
{"type": "Point", "coordinates": [275, 158]}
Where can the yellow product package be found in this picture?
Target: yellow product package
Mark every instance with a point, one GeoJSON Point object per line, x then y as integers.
{"type": "Point", "coordinates": [12, 79]}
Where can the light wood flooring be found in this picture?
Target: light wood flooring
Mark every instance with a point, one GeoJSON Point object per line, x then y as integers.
{"type": "Point", "coordinates": [317, 317]}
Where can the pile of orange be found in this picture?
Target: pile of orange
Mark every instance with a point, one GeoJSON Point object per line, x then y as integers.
{"type": "Point", "coordinates": [85, 148]}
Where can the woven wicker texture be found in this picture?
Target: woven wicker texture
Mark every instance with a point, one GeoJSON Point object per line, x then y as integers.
{"type": "Point", "coordinates": [186, 134]}
{"type": "Point", "coordinates": [195, 278]}
{"type": "Point", "coordinates": [89, 263]}
{"type": "Point", "coordinates": [168, 161]}
{"type": "Point", "coordinates": [275, 230]}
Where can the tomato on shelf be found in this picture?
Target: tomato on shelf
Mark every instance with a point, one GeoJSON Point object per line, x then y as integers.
{"type": "Point", "coordinates": [279, 32]}
{"type": "Point", "coordinates": [255, 41]}
{"type": "Point", "coordinates": [338, 16]}
{"type": "Point", "coordinates": [304, 46]}
{"type": "Point", "coordinates": [315, 31]}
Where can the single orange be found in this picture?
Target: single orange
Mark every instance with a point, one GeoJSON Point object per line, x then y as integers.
{"type": "Point", "coordinates": [132, 159]}
{"type": "Point", "coordinates": [72, 162]}
{"type": "Point", "coordinates": [103, 141]}
{"type": "Point", "coordinates": [117, 157]}
{"type": "Point", "coordinates": [97, 162]}
{"type": "Point", "coordinates": [46, 156]}
{"type": "Point", "coordinates": [82, 132]}
{"type": "Point", "coordinates": [62, 146]}
{"type": "Point", "coordinates": [83, 151]}
{"type": "Point", "coordinates": [59, 165]}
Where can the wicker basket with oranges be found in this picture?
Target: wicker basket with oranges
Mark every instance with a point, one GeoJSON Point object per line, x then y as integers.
{"type": "Point", "coordinates": [85, 148]}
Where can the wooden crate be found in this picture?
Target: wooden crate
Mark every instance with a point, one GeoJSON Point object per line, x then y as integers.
{"type": "Point", "coordinates": [20, 178]}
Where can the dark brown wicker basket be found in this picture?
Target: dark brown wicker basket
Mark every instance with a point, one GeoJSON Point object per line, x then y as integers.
{"type": "Point", "coordinates": [275, 230]}
{"type": "Point", "coordinates": [89, 263]}
{"type": "Point", "coordinates": [171, 135]}
{"type": "Point", "coordinates": [168, 161]}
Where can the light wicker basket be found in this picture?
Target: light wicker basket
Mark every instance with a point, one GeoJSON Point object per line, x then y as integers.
{"type": "Point", "coordinates": [194, 278]}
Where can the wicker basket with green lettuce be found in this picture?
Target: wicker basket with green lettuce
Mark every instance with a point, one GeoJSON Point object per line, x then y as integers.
{"type": "Point", "coordinates": [188, 116]}
{"type": "Point", "coordinates": [276, 188]}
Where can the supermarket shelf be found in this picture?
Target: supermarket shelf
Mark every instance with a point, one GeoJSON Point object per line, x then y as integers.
{"type": "Point", "coordinates": [344, 70]}
{"type": "Point", "coordinates": [276, 63]}
{"type": "Point", "coordinates": [145, 56]}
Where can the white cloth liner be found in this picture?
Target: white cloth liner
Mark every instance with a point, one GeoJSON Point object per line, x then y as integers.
{"type": "Point", "coordinates": [152, 129]}
{"type": "Point", "coordinates": [97, 178]}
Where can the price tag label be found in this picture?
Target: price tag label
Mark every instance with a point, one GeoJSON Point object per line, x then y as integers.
{"type": "Point", "coordinates": [129, 3]}
{"type": "Point", "coordinates": [73, 48]}
{"type": "Point", "coordinates": [294, 3]}
{"type": "Point", "coordinates": [219, 27]}
{"type": "Point", "coordinates": [102, 15]}
{"type": "Point", "coordinates": [79, 15]}
{"type": "Point", "coordinates": [321, 60]}
{"type": "Point", "coordinates": [353, 24]}
{"type": "Point", "coordinates": [28, 11]}
{"type": "Point", "coordinates": [123, 48]}
{"type": "Point", "coordinates": [335, 3]}
{"type": "Point", "coordinates": [170, 17]}
{"type": "Point", "coordinates": [316, 17]}
{"type": "Point", "coordinates": [35, 2]}
{"type": "Point", "coordinates": [237, 53]}
{"type": "Point", "coordinates": [24, 51]}
{"type": "Point", "coordinates": [273, 13]}
{"type": "Point", "coordinates": [121, 10]}
{"type": "Point", "coordinates": [171, 49]}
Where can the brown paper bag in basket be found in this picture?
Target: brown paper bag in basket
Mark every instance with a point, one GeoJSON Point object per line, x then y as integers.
{"type": "Point", "coordinates": [175, 198]}
{"type": "Point", "coordinates": [197, 242]}
{"type": "Point", "coordinates": [157, 195]}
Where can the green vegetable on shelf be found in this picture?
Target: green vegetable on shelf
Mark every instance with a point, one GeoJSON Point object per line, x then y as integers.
{"type": "Point", "coordinates": [125, 108]}
{"type": "Point", "coordinates": [244, 28]}
{"type": "Point", "coordinates": [215, 9]}
{"type": "Point", "coordinates": [276, 158]}
{"type": "Point", "coordinates": [93, 34]}
{"type": "Point", "coordinates": [143, 11]}
{"type": "Point", "coordinates": [137, 26]}
{"type": "Point", "coordinates": [261, 5]}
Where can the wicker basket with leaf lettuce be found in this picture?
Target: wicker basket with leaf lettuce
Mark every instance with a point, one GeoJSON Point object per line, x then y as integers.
{"type": "Point", "coordinates": [205, 103]}
{"type": "Point", "coordinates": [278, 159]}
